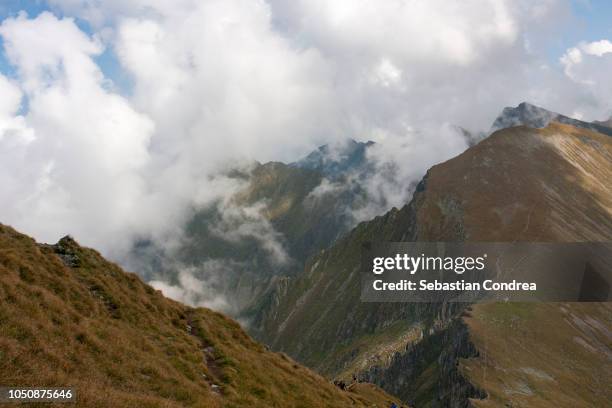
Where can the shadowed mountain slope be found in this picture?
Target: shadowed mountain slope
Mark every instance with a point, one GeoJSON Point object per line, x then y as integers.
{"type": "Point", "coordinates": [520, 184]}
{"type": "Point", "coordinates": [70, 318]}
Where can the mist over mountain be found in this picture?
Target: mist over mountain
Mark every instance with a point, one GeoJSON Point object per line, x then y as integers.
{"type": "Point", "coordinates": [334, 161]}
{"type": "Point", "coordinates": [232, 254]}
{"type": "Point", "coordinates": [232, 251]}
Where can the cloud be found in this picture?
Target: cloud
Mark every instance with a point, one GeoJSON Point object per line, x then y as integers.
{"type": "Point", "coordinates": [79, 170]}
{"type": "Point", "coordinates": [227, 81]}
{"type": "Point", "coordinates": [575, 56]}
{"type": "Point", "coordinates": [239, 222]}
{"type": "Point", "coordinates": [13, 128]}
{"type": "Point", "coordinates": [422, 63]}
{"type": "Point", "coordinates": [395, 29]}
{"type": "Point", "coordinates": [199, 286]}
{"type": "Point", "coordinates": [588, 64]}
{"type": "Point", "coordinates": [326, 187]}
{"type": "Point", "coordinates": [400, 162]}
{"type": "Point", "coordinates": [598, 48]}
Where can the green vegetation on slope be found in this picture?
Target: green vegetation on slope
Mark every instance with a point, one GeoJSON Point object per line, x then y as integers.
{"type": "Point", "coordinates": [70, 318]}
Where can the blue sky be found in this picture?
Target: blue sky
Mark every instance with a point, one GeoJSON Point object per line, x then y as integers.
{"type": "Point", "coordinates": [594, 23]}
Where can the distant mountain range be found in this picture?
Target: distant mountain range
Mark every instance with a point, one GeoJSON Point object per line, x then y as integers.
{"type": "Point", "coordinates": [606, 123]}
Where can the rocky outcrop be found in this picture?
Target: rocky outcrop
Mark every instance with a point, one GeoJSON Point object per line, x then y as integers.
{"type": "Point", "coordinates": [428, 372]}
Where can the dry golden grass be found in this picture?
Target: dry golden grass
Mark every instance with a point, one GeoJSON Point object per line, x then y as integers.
{"type": "Point", "coordinates": [120, 343]}
{"type": "Point", "coordinates": [523, 184]}
{"type": "Point", "coordinates": [550, 355]}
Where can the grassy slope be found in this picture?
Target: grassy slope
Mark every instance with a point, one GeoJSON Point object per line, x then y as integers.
{"type": "Point", "coordinates": [120, 343]}
{"type": "Point", "coordinates": [544, 355]}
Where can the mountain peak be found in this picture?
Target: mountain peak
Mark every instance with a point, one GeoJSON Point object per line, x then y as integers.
{"type": "Point", "coordinates": [335, 159]}
{"type": "Point", "coordinates": [527, 114]}
{"type": "Point", "coordinates": [524, 114]}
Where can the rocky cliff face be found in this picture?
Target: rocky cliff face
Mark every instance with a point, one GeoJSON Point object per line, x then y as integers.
{"type": "Point", "coordinates": [520, 184]}
{"type": "Point", "coordinates": [427, 372]}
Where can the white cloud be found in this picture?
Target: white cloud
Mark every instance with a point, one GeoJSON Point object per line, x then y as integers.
{"type": "Point", "coordinates": [598, 48]}
{"type": "Point", "coordinates": [221, 76]}
{"type": "Point", "coordinates": [239, 222]}
{"type": "Point", "coordinates": [196, 291]}
{"type": "Point", "coordinates": [457, 33]}
{"type": "Point", "coordinates": [589, 65]}
{"type": "Point", "coordinates": [572, 57]}
{"type": "Point", "coordinates": [400, 162]}
{"type": "Point", "coordinates": [575, 56]}
{"type": "Point", "coordinates": [12, 125]}
{"type": "Point", "coordinates": [387, 74]}
{"type": "Point", "coordinates": [79, 172]}
{"type": "Point", "coordinates": [326, 187]}
{"type": "Point", "coordinates": [426, 62]}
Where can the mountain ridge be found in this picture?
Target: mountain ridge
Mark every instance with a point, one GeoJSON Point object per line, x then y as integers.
{"type": "Point", "coordinates": [507, 187]}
